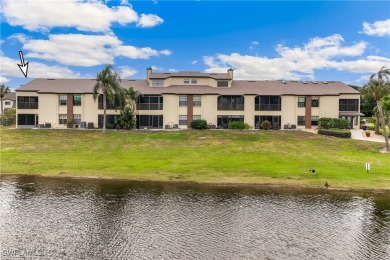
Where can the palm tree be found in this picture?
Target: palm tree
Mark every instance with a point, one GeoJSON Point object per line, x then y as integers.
{"type": "Point", "coordinates": [132, 97]}
{"type": "Point", "coordinates": [3, 91]}
{"type": "Point", "coordinates": [108, 84]}
{"type": "Point", "coordinates": [379, 86]}
{"type": "Point", "coordinates": [386, 107]}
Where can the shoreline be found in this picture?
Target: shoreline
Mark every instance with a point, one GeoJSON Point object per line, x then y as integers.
{"type": "Point", "coordinates": [254, 186]}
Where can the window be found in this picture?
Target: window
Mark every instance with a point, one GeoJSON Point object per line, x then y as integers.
{"type": "Point", "coordinates": [109, 105]}
{"type": "Point", "coordinates": [7, 103]}
{"type": "Point", "coordinates": [349, 105]}
{"type": "Point", "coordinates": [182, 101]}
{"type": "Point", "coordinates": [158, 83]}
{"type": "Point", "coordinates": [182, 119]}
{"type": "Point", "coordinates": [196, 117]}
{"type": "Point", "coordinates": [315, 102]}
{"type": "Point", "coordinates": [314, 120]}
{"type": "Point", "coordinates": [63, 119]}
{"type": "Point", "coordinates": [77, 100]}
{"type": "Point", "coordinates": [268, 103]}
{"type": "Point", "coordinates": [150, 102]}
{"type": "Point", "coordinates": [223, 121]}
{"type": "Point", "coordinates": [27, 119]}
{"type": "Point", "coordinates": [194, 81]}
{"type": "Point", "coordinates": [77, 119]}
{"type": "Point", "coordinates": [274, 120]}
{"type": "Point", "coordinates": [63, 99]}
{"type": "Point", "coordinates": [150, 121]}
{"type": "Point", "coordinates": [26, 102]}
{"type": "Point", "coordinates": [301, 120]}
{"type": "Point", "coordinates": [301, 102]}
{"type": "Point", "coordinates": [230, 103]}
{"type": "Point", "coordinates": [186, 81]}
{"type": "Point", "coordinates": [197, 101]}
{"type": "Point", "coordinates": [110, 119]}
{"type": "Point", "coordinates": [222, 83]}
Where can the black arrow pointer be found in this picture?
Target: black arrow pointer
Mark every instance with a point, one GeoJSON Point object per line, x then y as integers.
{"type": "Point", "coordinates": [23, 66]}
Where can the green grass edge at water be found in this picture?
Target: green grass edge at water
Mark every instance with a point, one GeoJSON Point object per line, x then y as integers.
{"type": "Point", "coordinates": [259, 157]}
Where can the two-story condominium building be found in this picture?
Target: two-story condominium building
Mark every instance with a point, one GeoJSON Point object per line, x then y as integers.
{"type": "Point", "coordinates": [175, 99]}
{"type": "Point", "coordinates": [8, 101]}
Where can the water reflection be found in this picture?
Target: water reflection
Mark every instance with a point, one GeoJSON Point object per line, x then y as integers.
{"type": "Point", "coordinates": [96, 219]}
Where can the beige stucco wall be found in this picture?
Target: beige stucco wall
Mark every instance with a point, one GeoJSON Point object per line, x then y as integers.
{"type": "Point", "coordinates": [49, 109]}
{"type": "Point", "coordinates": [170, 109]}
{"type": "Point", "coordinates": [200, 81]}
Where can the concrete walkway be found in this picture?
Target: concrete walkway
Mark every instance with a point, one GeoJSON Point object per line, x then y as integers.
{"type": "Point", "coordinates": [359, 134]}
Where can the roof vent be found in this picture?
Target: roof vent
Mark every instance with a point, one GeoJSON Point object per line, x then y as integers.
{"type": "Point", "coordinates": [284, 82]}
{"type": "Point", "coordinates": [314, 82]}
{"type": "Point", "coordinates": [167, 73]}
{"type": "Point", "coordinates": [50, 79]}
{"type": "Point", "coordinates": [331, 81]}
{"type": "Point", "coordinates": [213, 74]}
{"type": "Point", "coordinates": [325, 82]}
{"type": "Point", "coordinates": [131, 79]}
{"type": "Point", "coordinates": [304, 82]}
{"type": "Point", "coordinates": [251, 81]}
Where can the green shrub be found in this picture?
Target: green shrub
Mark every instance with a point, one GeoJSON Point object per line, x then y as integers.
{"type": "Point", "coordinates": [238, 125]}
{"type": "Point", "coordinates": [266, 125]}
{"type": "Point", "coordinates": [9, 117]}
{"type": "Point", "coordinates": [370, 126]}
{"type": "Point", "coordinates": [70, 124]}
{"type": "Point", "coordinates": [126, 120]}
{"type": "Point", "coordinates": [335, 132]}
{"type": "Point", "coordinates": [110, 126]}
{"type": "Point", "coordinates": [328, 123]}
{"type": "Point", "coordinates": [199, 124]}
{"type": "Point", "coordinates": [387, 131]}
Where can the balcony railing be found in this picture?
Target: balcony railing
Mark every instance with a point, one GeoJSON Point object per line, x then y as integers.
{"type": "Point", "coordinates": [27, 105]}
{"type": "Point", "coordinates": [150, 106]}
{"type": "Point", "coordinates": [231, 107]}
{"type": "Point", "coordinates": [348, 108]}
{"type": "Point", "coordinates": [268, 107]}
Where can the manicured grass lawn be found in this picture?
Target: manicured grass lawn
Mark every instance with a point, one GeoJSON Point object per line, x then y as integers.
{"type": "Point", "coordinates": [275, 157]}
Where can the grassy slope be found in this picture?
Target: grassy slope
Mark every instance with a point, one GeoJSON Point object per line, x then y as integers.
{"type": "Point", "coordinates": [277, 157]}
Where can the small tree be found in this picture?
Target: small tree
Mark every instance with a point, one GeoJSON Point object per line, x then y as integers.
{"type": "Point", "coordinates": [3, 91]}
{"type": "Point", "coordinates": [127, 119]}
{"type": "Point", "coordinates": [107, 84]}
{"type": "Point", "coordinates": [9, 115]}
{"type": "Point", "coordinates": [379, 86]}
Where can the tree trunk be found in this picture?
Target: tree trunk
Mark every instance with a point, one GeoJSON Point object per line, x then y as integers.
{"type": "Point", "coordinates": [2, 106]}
{"type": "Point", "coordinates": [104, 114]}
{"type": "Point", "coordinates": [379, 105]}
{"type": "Point", "coordinates": [377, 123]}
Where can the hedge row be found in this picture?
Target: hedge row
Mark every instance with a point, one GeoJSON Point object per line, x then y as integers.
{"type": "Point", "coordinates": [335, 132]}
{"type": "Point", "coordinates": [329, 123]}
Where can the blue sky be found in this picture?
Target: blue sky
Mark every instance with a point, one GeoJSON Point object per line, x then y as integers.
{"type": "Point", "coordinates": [266, 40]}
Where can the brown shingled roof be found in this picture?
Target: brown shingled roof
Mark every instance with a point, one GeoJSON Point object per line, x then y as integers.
{"type": "Point", "coordinates": [239, 87]}
{"type": "Point", "coordinates": [10, 96]}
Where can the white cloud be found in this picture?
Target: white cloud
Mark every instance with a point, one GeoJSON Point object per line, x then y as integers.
{"type": "Point", "coordinates": [296, 63]}
{"type": "Point", "coordinates": [149, 20]}
{"type": "Point", "coordinates": [154, 68]}
{"type": "Point", "coordinates": [194, 62]}
{"type": "Point", "coordinates": [91, 50]}
{"type": "Point", "coordinates": [3, 80]}
{"type": "Point", "coordinates": [127, 72]}
{"type": "Point", "coordinates": [255, 43]}
{"type": "Point", "coordinates": [173, 70]}
{"type": "Point", "coordinates": [9, 68]}
{"type": "Point", "coordinates": [85, 15]}
{"type": "Point", "coordinates": [378, 28]}
{"type": "Point", "coordinates": [166, 52]}
{"type": "Point", "coordinates": [20, 37]}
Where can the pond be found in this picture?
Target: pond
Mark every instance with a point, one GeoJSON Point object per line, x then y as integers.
{"type": "Point", "coordinates": [67, 218]}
